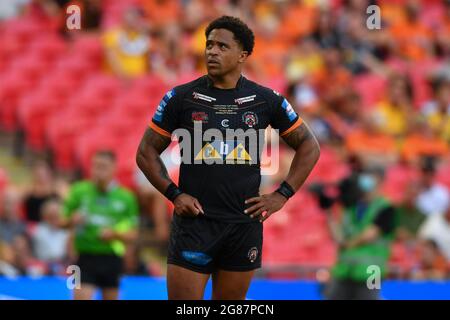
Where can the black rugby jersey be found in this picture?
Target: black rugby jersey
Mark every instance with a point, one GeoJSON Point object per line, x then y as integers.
{"type": "Point", "coordinates": [222, 170]}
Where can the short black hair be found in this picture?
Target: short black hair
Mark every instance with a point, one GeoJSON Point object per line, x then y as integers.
{"type": "Point", "coordinates": [242, 33]}
{"type": "Point", "coordinates": [106, 153]}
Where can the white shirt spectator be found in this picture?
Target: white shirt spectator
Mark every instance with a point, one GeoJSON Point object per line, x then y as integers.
{"type": "Point", "coordinates": [50, 244]}
{"type": "Point", "coordinates": [437, 228]}
{"type": "Point", "coordinates": [11, 8]}
{"type": "Point", "coordinates": [433, 200]}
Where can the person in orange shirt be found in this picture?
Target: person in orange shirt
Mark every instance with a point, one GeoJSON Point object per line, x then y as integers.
{"type": "Point", "coordinates": [423, 141]}
{"type": "Point", "coordinates": [373, 147]}
{"type": "Point", "coordinates": [412, 37]}
{"type": "Point", "coordinates": [161, 12]}
{"type": "Point", "coordinates": [292, 13]}
{"type": "Point", "coordinates": [333, 78]}
{"type": "Point", "coordinates": [432, 263]}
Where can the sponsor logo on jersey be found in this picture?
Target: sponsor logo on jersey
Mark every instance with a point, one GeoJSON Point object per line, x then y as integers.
{"type": "Point", "coordinates": [245, 99]}
{"type": "Point", "coordinates": [289, 110]}
{"type": "Point", "coordinates": [225, 123]}
{"type": "Point", "coordinates": [200, 96]}
{"type": "Point", "coordinates": [200, 116]}
{"type": "Point", "coordinates": [228, 151]}
{"type": "Point", "coordinates": [250, 119]}
{"type": "Point", "coordinates": [162, 105]}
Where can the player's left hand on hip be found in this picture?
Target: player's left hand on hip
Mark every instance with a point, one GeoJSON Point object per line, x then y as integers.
{"type": "Point", "coordinates": [264, 206]}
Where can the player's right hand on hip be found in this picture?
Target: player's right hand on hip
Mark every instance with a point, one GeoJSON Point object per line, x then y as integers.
{"type": "Point", "coordinates": [187, 206]}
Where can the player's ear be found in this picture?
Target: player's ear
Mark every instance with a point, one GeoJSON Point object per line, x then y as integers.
{"type": "Point", "coordinates": [243, 56]}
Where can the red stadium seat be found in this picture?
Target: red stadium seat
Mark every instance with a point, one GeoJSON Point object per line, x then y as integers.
{"type": "Point", "coordinates": [29, 66]}
{"type": "Point", "coordinates": [102, 86]}
{"type": "Point", "coordinates": [48, 48]}
{"type": "Point", "coordinates": [3, 180]}
{"type": "Point", "coordinates": [75, 67]}
{"type": "Point", "coordinates": [371, 88]}
{"type": "Point", "coordinates": [402, 259]}
{"type": "Point", "coordinates": [34, 111]}
{"type": "Point", "coordinates": [14, 85]}
{"type": "Point", "coordinates": [443, 175]}
{"type": "Point", "coordinates": [24, 30]}
{"type": "Point", "coordinates": [329, 168]}
{"type": "Point", "coordinates": [396, 180]}
{"type": "Point", "coordinates": [62, 84]}
{"type": "Point", "coordinates": [62, 132]}
{"type": "Point", "coordinates": [151, 86]}
{"type": "Point", "coordinates": [88, 48]}
{"type": "Point", "coordinates": [90, 142]}
{"type": "Point", "coordinates": [136, 105]}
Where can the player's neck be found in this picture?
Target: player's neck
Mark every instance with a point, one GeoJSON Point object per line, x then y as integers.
{"type": "Point", "coordinates": [228, 81]}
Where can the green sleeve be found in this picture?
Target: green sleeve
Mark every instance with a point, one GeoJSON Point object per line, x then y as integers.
{"type": "Point", "coordinates": [72, 202]}
{"type": "Point", "coordinates": [130, 219]}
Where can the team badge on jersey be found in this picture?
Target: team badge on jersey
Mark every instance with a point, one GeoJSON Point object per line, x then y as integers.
{"type": "Point", "coordinates": [252, 254]}
{"type": "Point", "coordinates": [250, 119]}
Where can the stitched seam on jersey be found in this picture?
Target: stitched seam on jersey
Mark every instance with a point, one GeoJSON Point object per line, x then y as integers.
{"type": "Point", "coordinates": [252, 105]}
{"type": "Point", "coordinates": [195, 102]}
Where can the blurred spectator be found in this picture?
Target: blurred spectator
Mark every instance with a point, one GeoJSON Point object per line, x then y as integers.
{"type": "Point", "coordinates": [421, 142]}
{"type": "Point", "coordinates": [50, 242]}
{"type": "Point", "coordinates": [162, 13]}
{"type": "Point", "coordinates": [325, 33]}
{"type": "Point", "coordinates": [332, 80]}
{"type": "Point", "coordinates": [355, 44]}
{"type": "Point", "coordinates": [437, 111]}
{"type": "Point", "coordinates": [11, 227]}
{"type": "Point", "coordinates": [409, 217]}
{"type": "Point", "coordinates": [364, 235]}
{"type": "Point", "coordinates": [345, 116]}
{"type": "Point", "coordinates": [127, 46]}
{"type": "Point", "coordinates": [11, 8]}
{"type": "Point", "coordinates": [370, 145]}
{"type": "Point", "coordinates": [6, 261]}
{"type": "Point", "coordinates": [42, 189]}
{"type": "Point", "coordinates": [433, 198]}
{"type": "Point", "coordinates": [437, 228]}
{"type": "Point", "coordinates": [432, 264]}
{"type": "Point", "coordinates": [13, 236]}
{"type": "Point", "coordinates": [412, 37]}
{"type": "Point", "coordinates": [393, 114]}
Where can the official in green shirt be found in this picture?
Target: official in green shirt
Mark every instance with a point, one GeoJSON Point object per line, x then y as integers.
{"type": "Point", "coordinates": [364, 236]}
{"type": "Point", "coordinates": [104, 217]}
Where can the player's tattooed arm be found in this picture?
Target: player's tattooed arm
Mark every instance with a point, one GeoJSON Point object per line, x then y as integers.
{"type": "Point", "coordinates": [149, 161]}
{"type": "Point", "coordinates": [307, 152]}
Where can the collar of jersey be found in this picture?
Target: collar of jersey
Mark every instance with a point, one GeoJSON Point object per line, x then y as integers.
{"type": "Point", "coordinates": [239, 84]}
